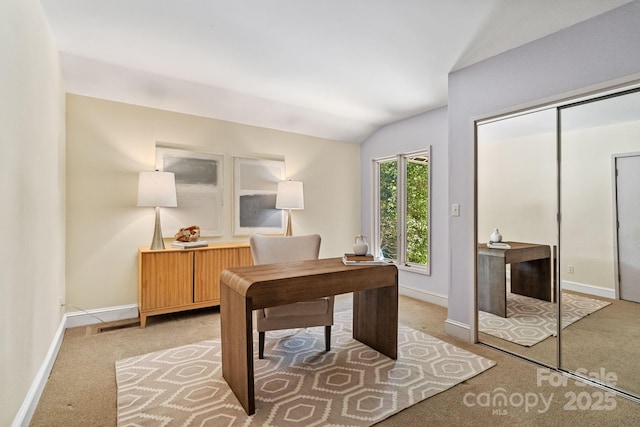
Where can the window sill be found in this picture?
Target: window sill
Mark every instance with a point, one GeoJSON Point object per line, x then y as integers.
{"type": "Point", "coordinates": [414, 269]}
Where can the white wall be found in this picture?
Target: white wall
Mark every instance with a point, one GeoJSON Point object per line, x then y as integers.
{"type": "Point", "coordinates": [108, 143]}
{"type": "Point", "coordinates": [592, 54]}
{"type": "Point", "coordinates": [587, 201]}
{"type": "Point", "coordinates": [517, 181]}
{"type": "Point", "coordinates": [409, 135]}
{"type": "Point", "coordinates": [517, 193]}
{"type": "Point", "coordinates": [32, 191]}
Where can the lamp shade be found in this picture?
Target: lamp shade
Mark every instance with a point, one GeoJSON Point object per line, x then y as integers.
{"type": "Point", "coordinates": [157, 189]}
{"type": "Point", "coordinates": [290, 195]}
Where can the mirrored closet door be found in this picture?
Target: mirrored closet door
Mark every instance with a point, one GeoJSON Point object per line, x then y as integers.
{"type": "Point", "coordinates": [600, 239]}
{"type": "Point", "coordinates": [562, 186]}
{"type": "Point", "coordinates": [517, 199]}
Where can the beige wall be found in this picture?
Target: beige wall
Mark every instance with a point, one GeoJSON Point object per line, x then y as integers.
{"type": "Point", "coordinates": [521, 200]}
{"type": "Point", "coordinates": [32, 192]}
{"type": "Point", "coordinates": [108, 143]}
{"type": "Point", "coordinates": [517, 188]}
{"type": "Point", "coordinates": [587, 201]}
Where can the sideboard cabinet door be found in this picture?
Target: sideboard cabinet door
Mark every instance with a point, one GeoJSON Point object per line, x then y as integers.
{"type": "Point", "coordinates": [166, 279]}
{"type": "Point", "coordinates": [208, 267]}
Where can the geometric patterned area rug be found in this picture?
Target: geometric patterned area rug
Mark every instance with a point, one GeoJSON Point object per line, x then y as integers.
{"type": "Point", "coordinates": [297, 382]}
{"type": "Point", "coordinates": [531, 320]}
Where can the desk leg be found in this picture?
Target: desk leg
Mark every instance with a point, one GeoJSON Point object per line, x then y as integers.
{"type": "Point", "coordinates": [492, 285]}
{"type": "Point", "coordinates": [532, 278]}
{"type": "Point", "coordinates": [375, 319]}
{"type": "Point", "coordinates": [237, 346]}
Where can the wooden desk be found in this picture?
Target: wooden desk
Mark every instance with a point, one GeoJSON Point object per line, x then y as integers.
{"type": "Point", "coordinates": [244, 289]}
{"type": "Point", "coordinates": [530, 274]}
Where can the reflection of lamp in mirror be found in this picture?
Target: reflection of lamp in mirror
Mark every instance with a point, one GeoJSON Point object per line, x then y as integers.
{"type": "Point", "coordinates": [290, 196]}
{"type": "Point", "coordinates": [158, 190]}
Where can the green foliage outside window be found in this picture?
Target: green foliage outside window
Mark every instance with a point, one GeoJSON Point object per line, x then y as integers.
{"type": "Point", "coordinates": [416, 221]}
{"type": "Point", "coordinates": [417, 215]}
{"type": "Point", "coordinates": [389, 209]}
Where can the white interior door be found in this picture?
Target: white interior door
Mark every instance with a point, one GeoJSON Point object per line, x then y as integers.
{"type": "Point", "coordinates": [628, 216]}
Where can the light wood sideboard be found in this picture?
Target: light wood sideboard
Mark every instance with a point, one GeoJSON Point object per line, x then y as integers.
{"type": "Point", "coordinates": [172, 280]}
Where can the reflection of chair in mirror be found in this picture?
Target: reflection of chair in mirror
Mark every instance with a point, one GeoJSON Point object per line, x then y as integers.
{"type": "Point", "coordinates": [318, 312]}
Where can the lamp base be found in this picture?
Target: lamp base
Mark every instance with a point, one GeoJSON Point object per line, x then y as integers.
{"type": "Point", "coordinates": [157, 243]}
{"type": "Point", "coordinates": [288, 232]}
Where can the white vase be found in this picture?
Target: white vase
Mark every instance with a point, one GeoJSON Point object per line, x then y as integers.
{"type": "Point", "coordinates": [495, 237]}
{"type": "Point", "coordinates": [360, 246]}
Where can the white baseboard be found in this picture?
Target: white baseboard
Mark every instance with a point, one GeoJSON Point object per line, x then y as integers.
{"type": "Point", "coordinates": [69, 320]}
{"type": "Point", "coordinates": [109, 314]}
{"type": "Point", "coordinates": [432, 297]}
{"type": "Point", "coordinates": [458, 330]}
{"type": "Point", "coordinates": [589, 289]}
{"type": "Point", "coordinates": [23, 417]}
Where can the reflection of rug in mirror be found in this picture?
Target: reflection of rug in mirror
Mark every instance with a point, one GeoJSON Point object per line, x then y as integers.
{"type": "Point", "coordinates": [531, 320]}
{"type": "Point", "coordinates": [296, 383]}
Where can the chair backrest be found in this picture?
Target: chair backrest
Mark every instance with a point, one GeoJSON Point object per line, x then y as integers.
{"type": "Point", "coordinates": [275, 249]}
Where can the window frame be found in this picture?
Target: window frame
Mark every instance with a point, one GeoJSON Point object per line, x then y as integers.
{"type": "Point", "coordinates": [402, 160]}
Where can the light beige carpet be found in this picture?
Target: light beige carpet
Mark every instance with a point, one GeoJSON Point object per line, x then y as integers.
{"type": "Point", "coordinates": [297, 382]}
{"type": "Point", "coordinates": [531, 320]}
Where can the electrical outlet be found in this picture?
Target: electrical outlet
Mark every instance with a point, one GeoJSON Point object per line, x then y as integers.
{"type": "Point", "coordinates": [570, 269]}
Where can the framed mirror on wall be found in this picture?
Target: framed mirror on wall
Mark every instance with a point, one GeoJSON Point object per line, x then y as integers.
{"type": "Point", "coordinates": [562, 185]}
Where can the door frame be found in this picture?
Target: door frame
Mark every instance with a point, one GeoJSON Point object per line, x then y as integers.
{"type": "Point", "coordinates": [614, 200]}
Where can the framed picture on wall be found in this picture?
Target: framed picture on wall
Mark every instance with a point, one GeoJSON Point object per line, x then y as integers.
{"type": "Point", "coordinates": [255, 183]}
{"type": "Point", "coordinates": [199, 188]}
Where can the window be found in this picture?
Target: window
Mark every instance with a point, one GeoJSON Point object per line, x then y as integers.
{"type": "Point", "coordinates": [401, 211]}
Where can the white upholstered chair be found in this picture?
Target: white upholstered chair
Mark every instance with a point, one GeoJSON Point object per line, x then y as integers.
{"type": "Point", "coordinates": [318, 312]}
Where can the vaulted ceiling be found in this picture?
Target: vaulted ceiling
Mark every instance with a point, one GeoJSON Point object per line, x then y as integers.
{"type": "Point", "coordinates": [337, 69]}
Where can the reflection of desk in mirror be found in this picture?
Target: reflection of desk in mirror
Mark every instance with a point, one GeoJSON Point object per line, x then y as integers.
{"type": "Point", "coordinates": [530, 274]}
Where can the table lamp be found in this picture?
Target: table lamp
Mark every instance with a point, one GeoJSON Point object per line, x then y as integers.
{"type": "Point", "coordinates": [158, 190]}
{"type": "Point", "coordinates": [289, 196]}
